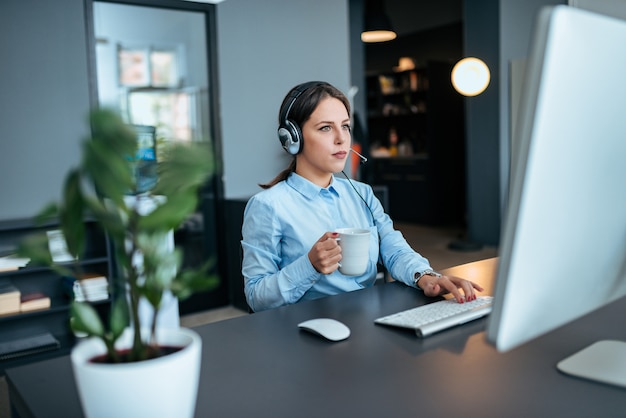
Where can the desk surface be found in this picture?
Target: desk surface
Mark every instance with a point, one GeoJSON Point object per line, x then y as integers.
{"type": "Point", "coordinates": [262, 365]}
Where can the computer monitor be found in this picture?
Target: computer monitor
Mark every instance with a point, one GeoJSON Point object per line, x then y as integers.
{"type": "Point", "coordinates": [563, 245]}
{"type": "Point", "coordinates": [145, 161]}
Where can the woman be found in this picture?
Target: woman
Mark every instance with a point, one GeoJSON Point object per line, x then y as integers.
{"type": "Point", "coordinates": [290, 252]}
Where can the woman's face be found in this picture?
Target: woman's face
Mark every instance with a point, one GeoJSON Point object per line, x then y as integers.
{"type": "Point", "coordinates": [326, 142]}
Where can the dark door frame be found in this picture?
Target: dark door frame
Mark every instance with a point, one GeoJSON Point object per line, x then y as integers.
{"type": "Point", "coordinates": [212, 197]}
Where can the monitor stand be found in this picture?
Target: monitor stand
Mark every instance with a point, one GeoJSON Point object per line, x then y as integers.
{"type": "Point", "coordinates": [603, 361]}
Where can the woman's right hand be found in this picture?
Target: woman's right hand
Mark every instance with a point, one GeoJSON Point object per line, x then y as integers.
{"type": "Point", "coordinates": [325, 254]}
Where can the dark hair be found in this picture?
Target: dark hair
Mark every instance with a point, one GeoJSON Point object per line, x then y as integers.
{"type": "Point", "coordinates": [300, 112]}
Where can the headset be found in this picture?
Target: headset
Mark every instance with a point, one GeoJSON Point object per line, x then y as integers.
{"type": "Point", "coordinates": [289, 133]}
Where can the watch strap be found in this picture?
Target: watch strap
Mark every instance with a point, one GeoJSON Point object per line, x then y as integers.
{"type": "Point", "coordinates": [427, 272]}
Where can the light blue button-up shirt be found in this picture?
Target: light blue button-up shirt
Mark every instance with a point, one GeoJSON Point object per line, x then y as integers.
{"type": "Point", "coordinates": [282, 223]}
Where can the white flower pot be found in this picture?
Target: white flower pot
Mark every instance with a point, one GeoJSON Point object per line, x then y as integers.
{"type": "Point", "coordinates": [163, 387]}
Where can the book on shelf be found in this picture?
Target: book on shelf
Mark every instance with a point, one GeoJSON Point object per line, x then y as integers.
{"type": "Point", "coordinates": [9, 298]}
{"type": "Point", "coordinates": [34, 301]}
{"type": "Point", "coordinates": [12, 262]}
{"type": "Point", "coordinates": [90, 287]}
{"type": "Point", "coordinates": [58, 247]}
{"type": "Point", "coordinates": [92, 278]}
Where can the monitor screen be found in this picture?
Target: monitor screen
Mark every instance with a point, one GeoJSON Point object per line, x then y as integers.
{"type": "Point", "coordinates": [563, 244]}
{"type": "Point", "coordinates": [145, 161]}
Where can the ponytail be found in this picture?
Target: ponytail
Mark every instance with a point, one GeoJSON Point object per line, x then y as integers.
{"type": "Point", "coordinates": [282, 175]}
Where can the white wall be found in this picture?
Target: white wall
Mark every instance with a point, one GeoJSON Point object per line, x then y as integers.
{"type": "Point", "coordinates": [44, 100]}
{"type": "Point", "coordinates": [615, 8]}
{"type": "Point", "coordinates": [516, 30]}
{"type": "Point", "coordinates": [264, 49]}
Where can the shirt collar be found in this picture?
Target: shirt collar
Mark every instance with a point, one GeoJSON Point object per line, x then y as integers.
{"type": "Point", "coordinates": [309, 189]}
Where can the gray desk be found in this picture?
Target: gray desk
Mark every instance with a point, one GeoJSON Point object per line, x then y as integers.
{"type": "Point", "coordinates": [262, 365]}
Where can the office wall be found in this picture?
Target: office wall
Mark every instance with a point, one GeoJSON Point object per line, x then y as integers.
{"type": "Point", "coordinates": [357, 68]}
{"type": "Point", "coordinates": [615, 8]}
{"type": "Point", "coordinates": [264, 49]}
{"type": "Point", "coordinates": [481, 19]}
{"type": "Point", "coordinates": [517, 28]}
{"type": "Point", "coordinates": [44, 100]}
{"type": "Point", "coordinates": [499, 32]}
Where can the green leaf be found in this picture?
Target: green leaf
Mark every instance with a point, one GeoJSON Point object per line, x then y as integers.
{"type": "Point", "coordinates": [189, 282]}
{"type": "Point", "coordinates": [36, 248]}
{"type": "Point", "coordinates": [110, 172]}
{"type": "Point", "coordinates": [171, 213]}
{"type": "Point", "coordinates": [112, 220]}
{"type": "Point", "coordinates": [160, 262]}
{"type": "Point", "coordinates": [153, 293]}
{"type": "Point", "coordinates": [73, 210]}
{"type": "Point", "coordinates": [184, 166]}
{"type": "Point", "coordinates": [50, 211]}
{"type": "Point", "coordinates": [120, 316]}
{"type": "Point", "coordinates": [123, 259]}
{"type": "Point", "coordinates": [86, 319]}
{"type": "Point", "coordinates": [166, 270]}
{"type": "Point", "coordinates": [108, 155]}
{"type": "Point", "coordinates": [107, 125]}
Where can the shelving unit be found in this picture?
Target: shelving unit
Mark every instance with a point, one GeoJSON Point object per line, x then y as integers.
{"type": "Point", "coordinates": [417, 143]}
{"type": "Point", "coordinates": [55, 319]}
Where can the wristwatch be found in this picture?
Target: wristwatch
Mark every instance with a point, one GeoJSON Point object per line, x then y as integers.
{"type": "Point", "coordinates": [427, 272]}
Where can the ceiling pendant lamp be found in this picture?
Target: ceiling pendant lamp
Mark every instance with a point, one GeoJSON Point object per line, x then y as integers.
{"type": "Point", "coordinates": [377, 27]}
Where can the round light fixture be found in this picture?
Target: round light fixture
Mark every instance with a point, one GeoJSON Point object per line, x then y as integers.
{"type": "Point", "coordinates": [470, 76]}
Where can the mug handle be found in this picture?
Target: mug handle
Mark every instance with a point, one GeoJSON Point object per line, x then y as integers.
{"type": "Point", "coordinates": [338, 239]}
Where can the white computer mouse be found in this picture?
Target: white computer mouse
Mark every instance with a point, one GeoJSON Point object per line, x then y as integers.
{"type": "Point", "coordinates": [329, 328]}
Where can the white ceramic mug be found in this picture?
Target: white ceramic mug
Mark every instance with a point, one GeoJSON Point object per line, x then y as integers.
{"type": "Point", "coordinates": [355, 249]}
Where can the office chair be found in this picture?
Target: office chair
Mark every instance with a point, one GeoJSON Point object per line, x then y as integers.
{"type": "Point", "coordinates": [250, 311]}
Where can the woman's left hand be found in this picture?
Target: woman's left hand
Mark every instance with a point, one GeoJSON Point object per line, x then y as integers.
{"type": "Point", "coordinates": [436, 286]}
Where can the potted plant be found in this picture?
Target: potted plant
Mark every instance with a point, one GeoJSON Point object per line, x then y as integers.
{"type": "Point", "coordinates": [122, 345]}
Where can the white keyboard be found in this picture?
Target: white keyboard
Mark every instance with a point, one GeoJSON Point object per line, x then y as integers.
{"type": "Point", "coordinates": [437, 316]}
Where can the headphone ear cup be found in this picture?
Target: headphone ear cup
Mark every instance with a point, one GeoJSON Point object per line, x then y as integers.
{"type": "Point", "coordinates": [289, 133]}
{"type": "Point", "coordinates": [290, 137]}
